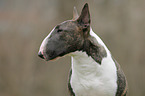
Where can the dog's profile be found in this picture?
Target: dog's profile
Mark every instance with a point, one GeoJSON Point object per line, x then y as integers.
{"type": "Point", "coordinates": [94, 72]}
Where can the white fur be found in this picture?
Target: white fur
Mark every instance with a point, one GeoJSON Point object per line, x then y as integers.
{"type": "Point", "coordinates": [44, 42]}
{"type": "Point", "coordinates": [90, 78]}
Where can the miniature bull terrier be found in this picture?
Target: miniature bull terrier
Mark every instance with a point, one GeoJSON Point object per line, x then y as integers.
{"type": "Point", "coordinates": [94, 72]}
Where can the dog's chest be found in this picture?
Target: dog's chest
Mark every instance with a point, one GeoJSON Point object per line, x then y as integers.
{"type": "Point", "coordinates": [91, 79]}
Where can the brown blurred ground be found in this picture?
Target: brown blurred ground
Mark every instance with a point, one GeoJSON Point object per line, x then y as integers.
{"type": "Point", "coordinates": [25, 23]}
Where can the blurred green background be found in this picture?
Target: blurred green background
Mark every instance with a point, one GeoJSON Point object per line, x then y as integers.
{"type": "Point", "coordinates": [25, 23]}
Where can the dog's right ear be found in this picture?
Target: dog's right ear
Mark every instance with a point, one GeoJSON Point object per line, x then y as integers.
{"type": "Point", "coordinates": [84, 19]}
{"type": "Point", "coordinates": [75, 14]}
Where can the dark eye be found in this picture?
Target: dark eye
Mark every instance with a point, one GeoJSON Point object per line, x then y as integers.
{"type": "Point", "coordinates": [59, 30]}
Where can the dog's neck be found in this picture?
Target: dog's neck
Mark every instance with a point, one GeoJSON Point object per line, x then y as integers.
{"type": "Point", "coordinates": [88, 75]}
{"type": "Point", "coordinates": [84, 64]}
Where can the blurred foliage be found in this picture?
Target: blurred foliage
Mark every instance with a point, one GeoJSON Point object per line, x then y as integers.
{"type": "Point", "coordinates": [25, 23]}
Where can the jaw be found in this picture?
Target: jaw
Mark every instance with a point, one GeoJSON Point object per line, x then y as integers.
{"type": "Point", "coordinates": [53, 59]}
{"type": "Point", "coordinates": [48, 56]}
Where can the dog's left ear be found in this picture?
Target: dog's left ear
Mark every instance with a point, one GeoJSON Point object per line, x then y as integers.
{"type": "Point", "coordinates": [75, 14]}
{"type": "Point", "coordinates": [84, 19]}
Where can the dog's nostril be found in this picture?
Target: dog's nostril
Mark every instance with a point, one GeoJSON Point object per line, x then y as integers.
{"type": "Point", "coordinates": [40, 55]}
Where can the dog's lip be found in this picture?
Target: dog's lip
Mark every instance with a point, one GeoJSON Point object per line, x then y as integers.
{"type": "Point", "coordinates": [42, 55]}
{"type": "Point", "coordinates": [50, 58]}
{"type": "Point", "coordinates": [47, 57]}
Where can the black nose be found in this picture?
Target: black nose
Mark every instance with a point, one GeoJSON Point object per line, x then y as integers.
{"type": "Point", "coordinates": [40, 55]}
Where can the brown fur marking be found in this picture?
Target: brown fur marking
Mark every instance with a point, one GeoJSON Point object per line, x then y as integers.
{"type": "Point", "coordinates": [121, 81]}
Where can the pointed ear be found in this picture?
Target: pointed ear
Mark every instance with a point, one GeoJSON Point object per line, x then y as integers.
{"type": "Point", "coordinates": [75, 14]}
{"type": "Point", "coordinates": [84, 18]}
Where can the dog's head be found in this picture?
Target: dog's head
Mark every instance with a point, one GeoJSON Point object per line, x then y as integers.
{"type": "Point", "coordinates": [66, 37]}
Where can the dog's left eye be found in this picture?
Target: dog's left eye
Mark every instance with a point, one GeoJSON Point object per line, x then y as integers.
{"type": "Point", "coordinates": [59, 30]}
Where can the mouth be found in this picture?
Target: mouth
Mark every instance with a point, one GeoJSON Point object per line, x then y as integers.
{"type": "Point", "coordinates": [40, 54]}
{"type": "Point", "coordinates": [48, 57]}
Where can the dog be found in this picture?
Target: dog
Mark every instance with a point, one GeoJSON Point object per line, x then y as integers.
{"type": "Point", "coordinates": [94, 72]}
